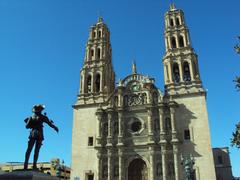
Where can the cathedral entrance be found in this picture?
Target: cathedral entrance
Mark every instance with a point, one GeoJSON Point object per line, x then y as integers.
{"type": "Point", "coordinates": [137, 170]}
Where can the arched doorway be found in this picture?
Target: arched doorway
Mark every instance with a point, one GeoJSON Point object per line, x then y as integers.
{"type": "Point", "coordinates": [137, 170]}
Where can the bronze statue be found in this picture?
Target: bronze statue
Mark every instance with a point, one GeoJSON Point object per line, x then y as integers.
{"type": "Point", "coordinates": [188, 163]}
{"type": "Point", "coordinates": [35, 123]}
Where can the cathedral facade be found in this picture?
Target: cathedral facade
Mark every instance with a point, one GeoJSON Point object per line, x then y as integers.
{"type": "Point", "coordinates": [133, 130]}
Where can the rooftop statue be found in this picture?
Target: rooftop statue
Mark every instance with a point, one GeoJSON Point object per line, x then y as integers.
{"type": "Point", "coordinates": [35, 124]}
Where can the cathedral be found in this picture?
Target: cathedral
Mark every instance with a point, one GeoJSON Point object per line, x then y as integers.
{"type": "Point", "coordinates": [131, 130]}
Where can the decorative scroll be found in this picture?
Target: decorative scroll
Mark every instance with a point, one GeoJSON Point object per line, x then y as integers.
{"type": "Point", "coordinates": [137, 99]}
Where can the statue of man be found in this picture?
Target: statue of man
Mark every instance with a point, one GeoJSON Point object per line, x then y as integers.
{"type": "Point", "coordinates": [35, 123]}
{"type": "Point", "coordinates": [188, 163]}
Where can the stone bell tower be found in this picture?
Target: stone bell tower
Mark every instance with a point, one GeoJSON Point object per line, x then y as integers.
{"type": "Point", "coordinates": [97, 75]}
{"type": "Point", "coordinates": [181, 72]}
{"type": "Point", "coordinates": [96, 84]}
{"type": "Point", "coordinates": [183, 85]}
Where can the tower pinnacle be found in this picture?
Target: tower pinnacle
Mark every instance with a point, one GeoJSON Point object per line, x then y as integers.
{"type": "Point", "coordinates": [134, 68]}
{"type": "Point", "coordinates": [97, 74]}
{"type": "Point", "coordinates": [100, 19]}
{"type": "Point", "coordinates": [172, 7]}
{"type": "Point", "coordinates": [180, 61]}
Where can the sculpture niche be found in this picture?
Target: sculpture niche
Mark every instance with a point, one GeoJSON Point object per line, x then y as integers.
{"type": "Point", "coordinates": [188, 163]}
{"type": "Point", "coordinates": [35, 123]}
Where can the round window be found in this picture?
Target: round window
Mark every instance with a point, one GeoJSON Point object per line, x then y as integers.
{"type": "Point", "coordinates": [136, 126]}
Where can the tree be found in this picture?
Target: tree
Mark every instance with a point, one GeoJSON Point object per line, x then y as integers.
{"type": "Point", "coordinates": [237, 47]}
{"type": "Point", "coordinates": [235, 141]}
{"type": "Point", "coordinates": [237, 79]}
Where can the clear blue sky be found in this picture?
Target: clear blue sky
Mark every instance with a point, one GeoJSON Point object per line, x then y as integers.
{"type": "Point", "coordinates": [42, 46]}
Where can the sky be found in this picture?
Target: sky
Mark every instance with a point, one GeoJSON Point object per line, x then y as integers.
{"type": "Point", "coordinates": [42, 45]}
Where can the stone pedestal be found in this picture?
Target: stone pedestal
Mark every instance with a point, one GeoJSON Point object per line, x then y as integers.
{"type": "Point", "coordinates": [26, 175]}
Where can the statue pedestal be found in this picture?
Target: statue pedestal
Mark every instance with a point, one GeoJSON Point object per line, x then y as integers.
{"type": "Point", "coordinates": [26, 175]}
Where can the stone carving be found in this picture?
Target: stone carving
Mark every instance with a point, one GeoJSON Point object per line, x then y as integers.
{"type": "Point", "coordinates": [137, 99]}
{"type": "Point", "coordinates": [188, 162]}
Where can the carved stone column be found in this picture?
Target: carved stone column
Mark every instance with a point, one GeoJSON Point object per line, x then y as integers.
{"type": "Point", "coordinates": [161, 124]}
{"type": "Point", "coordinates": [185, 39]}
{"type": "Point", "coordinates": [101, 83]}
{"type": "Point", "coordinates": [121, 164]}
{"type": "Point", "coordinates": [175, 156]}
{"type": "Point", "coordinates": [110, 127]}
{"type": "Point", "coordinates": [169, 42]}
{"type": "Point", "coordinates": [173, 122]}
{"type": "Point", "coordinates": [99, 167]}
{"type": "Point", "coordinates": [191, 71]}
{"type": "Point", "coordinates": [150, 124]}
{"type": "Point", "coordinates": [166, 76]}
{"type": "Point", "coordinates": [120, 126]}
{"type": "Point", "coordinates": [99, 114]}
{"type": "Point", "coordinates": [92, 83]}
{"type": "Point", "coordinates": [170, 73]}
{"type": "Point", "coordinates": [163, 153]}
{"type": "Point", "coordinates": [180, 71]}
{"type": "Point", "coordinates": [83, 83]}
{"type": "Point", "coordinates": [177, 43]}
{"type": "Point", "coordinates": [110, 172]}
{"type": "Point", "coordinates": [152, 163]}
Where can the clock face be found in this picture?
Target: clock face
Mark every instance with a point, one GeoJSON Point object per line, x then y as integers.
{"type": "Point", "coordinates": [135, 87]}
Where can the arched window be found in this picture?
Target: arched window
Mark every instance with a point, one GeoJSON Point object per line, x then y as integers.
{"type": "Point", "coordinates": [181, 41]}
{"type": "Point", "coordinates": [89, 83]}
{"type": "Point", "coordinates": [195, 70]}
{"type": "Point", "coordinates": [98, 53]}
{"type": "Point", "coordinates": [173, 42]}
{"type": "Point", "coordinates": [171, 22]}
{"type": "Point", "coordinates": [168, 125]}
{"type": "Point", "coordinates": [176, 76]}
{"type": "Point", "coordinates": [186, 72]}
{"type": "Point", "coordinates": [99, 34]}
{"type": "Point", "coordinates": [178, 21]}
{"type": "Point", "coordinates": [97, 83]}
{"type": "Point", "coordinates": [92, 53]}
{"type": "Point", "coordinates": [94, 34]}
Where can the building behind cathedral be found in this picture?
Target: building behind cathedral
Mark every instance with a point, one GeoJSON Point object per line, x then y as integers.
{"type": "Point", "coordinates": [133, 130]}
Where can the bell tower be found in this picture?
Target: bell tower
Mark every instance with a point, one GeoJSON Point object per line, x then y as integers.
{"type": "Point", "coordinates": [97, 74]}
{"type": "Point", "coordinates": [181, 72]}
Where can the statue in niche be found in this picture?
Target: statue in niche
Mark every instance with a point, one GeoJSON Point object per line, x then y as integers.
{"type": "Point", "coordinates": [35, 124]}
{"type": "Point", "coordinates": [188, 163]}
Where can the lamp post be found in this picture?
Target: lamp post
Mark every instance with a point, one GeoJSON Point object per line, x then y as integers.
{"type": "Point", "coordinates": [187, 162]}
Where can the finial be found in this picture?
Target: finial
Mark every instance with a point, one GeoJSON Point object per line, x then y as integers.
{"type": "Point", "coordinates": [120, 82]}
{"type": "Point", "coordinates": [134, 68]}
{"type": "Point", "coordinates": [100, 18]}
{"type": "Point", "coordinates": [172, 7]}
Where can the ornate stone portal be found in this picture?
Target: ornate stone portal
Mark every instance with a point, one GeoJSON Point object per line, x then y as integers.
{"type": "Point", "coordinates": [134, 130]}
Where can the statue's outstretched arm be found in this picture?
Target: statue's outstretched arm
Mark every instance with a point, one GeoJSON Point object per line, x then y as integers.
{"type": "Point", "coordinates": [51, 123]}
